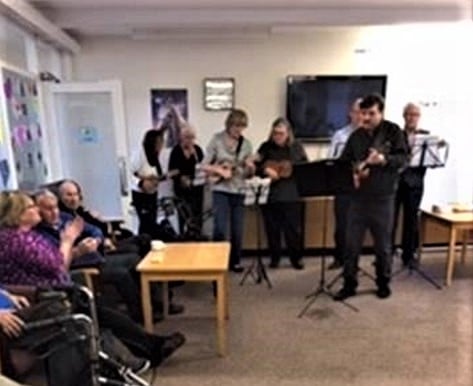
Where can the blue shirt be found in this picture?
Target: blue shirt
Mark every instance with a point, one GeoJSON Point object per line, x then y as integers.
{"type": "Point", "coordinates": [53, 234]}
{"type": "Point", "coordinates": [5, 302]}
{"type": "Point", "coordinates": [338, 141]}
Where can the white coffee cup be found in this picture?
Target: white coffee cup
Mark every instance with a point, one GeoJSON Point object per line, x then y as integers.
{"type": "Point", "coordinates": [157, 245]}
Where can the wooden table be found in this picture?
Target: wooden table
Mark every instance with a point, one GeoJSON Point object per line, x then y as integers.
{"type": "Point", "coordinates": [206, 261]}
{"type": "Point", "coordinates": [455, 223]}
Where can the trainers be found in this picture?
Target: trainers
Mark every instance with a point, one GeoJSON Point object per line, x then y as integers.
{"type": "Point", "coordinates": [142, 368]}
{"type": "Point", "coordinates": [344, 293]}
{"type": "Point", "coordinates": [383, 292]}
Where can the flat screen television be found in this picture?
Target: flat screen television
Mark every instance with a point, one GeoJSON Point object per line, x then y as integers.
{"type": "Point", "coordinates": [317, 106]}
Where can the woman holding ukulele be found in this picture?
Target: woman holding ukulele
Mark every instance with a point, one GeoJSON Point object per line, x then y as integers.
{"type": "Point", "coordinates": [283, 212]}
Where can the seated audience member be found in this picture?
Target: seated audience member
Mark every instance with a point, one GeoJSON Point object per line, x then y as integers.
{"type": "Point", "coordinates": [67, 364]}
{"type": "Point", "coordinates": [118, 269]}
{"type": "Point", "coordinates": [86, 247]}
{"type": "Point", "coordinates": [184, 157]}
{"type": "Point", "coordinates": [70, 201]}
{"type": "Point", "coordinates": [27, 258]}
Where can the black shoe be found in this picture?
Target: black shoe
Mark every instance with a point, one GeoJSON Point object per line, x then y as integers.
{"type": "Point", "coordinates": [297, 264]}
{"type": "Point", "coordinates": [344, 293]}
{"type": "Point", "coordinates": [411, 263]}
{"type": "Point", "coordinates": [168, 346]}
{"type": "Point", "coordinates": [237, 268]}
{"type": "Point", "coordinates": [335, 265]}
{"type": "Point", "coordinates": [383, 291]}
{"type": "Point", "coordinates": [175, 309]}
{"type": "Point", "coordinates": [274, 263]}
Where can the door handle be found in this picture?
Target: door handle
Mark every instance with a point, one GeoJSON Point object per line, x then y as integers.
{"type": "Point", "coordinates": [123, 176]}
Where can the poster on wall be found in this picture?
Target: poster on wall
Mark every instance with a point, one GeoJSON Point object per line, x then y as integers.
{"type": "Point", "coordinates": [5, 180]}
{"type": "Point", "coordinates": [169, 107]}
{"type": "Point", "coordinates": [26, 133]}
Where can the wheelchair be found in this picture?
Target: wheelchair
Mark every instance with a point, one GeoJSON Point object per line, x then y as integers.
{"type": "Point", "coordinates": [104, 370]}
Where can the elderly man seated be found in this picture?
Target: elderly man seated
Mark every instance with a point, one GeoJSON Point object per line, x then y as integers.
{"type": "Point", "coordinates": [117, 270]}
{"type": "Point", "coordinates": [70, 201]}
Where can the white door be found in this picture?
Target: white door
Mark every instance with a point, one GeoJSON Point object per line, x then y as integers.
{"type": "Point", "coordinates": [89, 142]}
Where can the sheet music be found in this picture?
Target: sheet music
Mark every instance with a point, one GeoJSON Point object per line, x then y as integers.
{"type": "Point", "coordinates": [199, 177]}
{"type": "Point", "coordinates": [254, 186]}
{"type": "Point", "coordinates": [435, 154]}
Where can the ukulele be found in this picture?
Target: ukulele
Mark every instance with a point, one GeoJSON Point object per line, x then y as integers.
{"type": "Point", "coordinates": [283, 168]}
{"type": "Point", "coordinates": [155, 180]}
{"type": "Point", "coordinates": [225, 170]}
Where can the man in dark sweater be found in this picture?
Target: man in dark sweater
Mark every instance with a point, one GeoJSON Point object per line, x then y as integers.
{"type": "Point", "coordinates": [410, 191]}
{"type": "Point", "coordinates": [378, 151]}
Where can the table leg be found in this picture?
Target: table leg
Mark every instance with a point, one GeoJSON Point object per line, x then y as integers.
{"type": "Point", "coordinates": [221, 295]}
{"type": "Point", "coordinates": [464, 246]}
{"type": "Point", "coordinates": [165, 299]}
{"type": "Point", "coordinates": [146, 303]}
{"type": "Point", "coordinates": [227, 290]}
{"type": "Point", "coordinates": [451, 255]}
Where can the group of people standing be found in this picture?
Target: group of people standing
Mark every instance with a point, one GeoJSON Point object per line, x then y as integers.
{"type": "Point", "coordinates": [227, 162]}
{"type": "Point", "coordinates": [377, 149]}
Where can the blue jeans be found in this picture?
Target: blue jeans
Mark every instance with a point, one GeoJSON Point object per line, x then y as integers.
{"type": "Point", "coordinates": [228, 218]}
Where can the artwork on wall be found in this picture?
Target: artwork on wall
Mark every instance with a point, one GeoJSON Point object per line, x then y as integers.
{"type": "Point", "coordinates": [169, 107]}
{"type": "Point", "coordinates": [219, 94]}
{"type": "Point", "coordinates": [25, 130]}
{"type": "Point", "coordinates": [5, 180]}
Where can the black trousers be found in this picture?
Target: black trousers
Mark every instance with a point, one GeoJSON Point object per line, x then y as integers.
{"type": "Point", "coordinates": [341, 207]}
{"type": "Point", "coordinates": [375, 215]}
{"type": "Point", "coordinates": [146, 206]}
{"type": "Point", "coordinates": [408, 198]}
{"type": "Point", "coordinates": [119, 271]}
{"type": "Point", "coordinates": [284, 218]}
{"type": "Point", "coordinates": [131, 334]}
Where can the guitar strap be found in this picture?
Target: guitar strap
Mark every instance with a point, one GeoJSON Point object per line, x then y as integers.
{"type": "Point", "coordinates": [378, 140]}
{"type": "Point", "coordinates": [238, 148]}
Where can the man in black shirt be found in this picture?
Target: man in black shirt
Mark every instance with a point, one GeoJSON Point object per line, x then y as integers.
{"type": "Point", "coordinates": [410, 190]}
{"type": "Point", "coordinates": [378, 151]}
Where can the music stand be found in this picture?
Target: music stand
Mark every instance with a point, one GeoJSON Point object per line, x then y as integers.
{"type": "Point", "coordinates": [256, 194]}
{"type": "Point", "coordinates": [430, 152]}
{"type": "Point", "coordinates": [322, 179]}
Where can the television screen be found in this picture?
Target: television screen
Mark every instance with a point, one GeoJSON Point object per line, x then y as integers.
{"type": "Point", "coordinates": [317, 106]}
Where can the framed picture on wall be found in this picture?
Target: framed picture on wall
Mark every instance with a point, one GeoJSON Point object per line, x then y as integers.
{"type": "Point", "coordinates": [219, 94]}
{"type": "Point", "coordinates": [169, 107]}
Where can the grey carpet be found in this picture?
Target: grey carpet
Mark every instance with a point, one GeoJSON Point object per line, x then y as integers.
{"type": "Point", "coordinates": [419, 336]}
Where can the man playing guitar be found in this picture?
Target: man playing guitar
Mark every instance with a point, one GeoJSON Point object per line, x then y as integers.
{"type": "Point", "coordinates": [378, 151]}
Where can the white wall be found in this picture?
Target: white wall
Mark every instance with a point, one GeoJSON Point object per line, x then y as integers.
{"type": "Point", "coordinates": [430, 64]}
